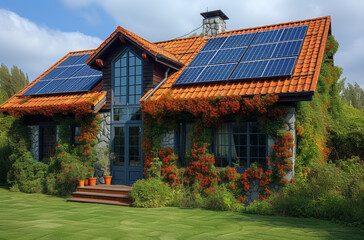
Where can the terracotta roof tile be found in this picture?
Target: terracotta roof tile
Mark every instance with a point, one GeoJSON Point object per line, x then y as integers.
{"type": "Point", "coordinates": [304, 77]}
{"type": "Point", "coordinates": [152, 48]}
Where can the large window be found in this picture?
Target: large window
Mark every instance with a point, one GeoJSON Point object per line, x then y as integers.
{"type": "Point", "coordinates": [235, 144]}
{"type": "Point", "coordinates": [127, 85]}
{"type": "Point", "coordinates": [239, 144]}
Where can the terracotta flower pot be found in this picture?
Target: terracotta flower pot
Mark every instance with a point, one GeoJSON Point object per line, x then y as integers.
{"type": "Point", "coordinates": [81, 183]}
{"type": "Point", "coordinates": [107, 180]}
{"type": "Point", "coordinates": [86, 182]}
{"type": "Point", "coordinates": [92, 181]}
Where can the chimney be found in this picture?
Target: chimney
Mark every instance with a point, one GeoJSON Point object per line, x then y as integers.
{"type": "Point", "coordinates": [214, 22]}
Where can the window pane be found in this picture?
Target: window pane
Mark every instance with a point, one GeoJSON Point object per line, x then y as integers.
{"type": "Point", "coordinates": [138, 61]}
{"type": "Point", "coordinates": [117, 63]}
{"type": "Point", "coordinates": [49, 142]}
{"type": "Point", "coordinates": [117, 72]}
{"type": "Point", "coordinates": [131, 71]}
{"type": "Point", "coordinates": [138, 80]}
{"type": "Point", "coordinates": [253, 139]}
{"type": "Point", "coordinates": [116, 82]}
{"type": "Point", "coordinates": [124, 62]}
{"type": "Point", "coordinates": [138, 70]}
{"type": "Point", "coordinates": [119, 146]}
{"type": "Point", "coordinates": [117, 91]}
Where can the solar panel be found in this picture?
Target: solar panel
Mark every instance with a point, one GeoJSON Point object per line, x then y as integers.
{"type": "Point", "coordinates": [202, 58]}
{"type": "Point", "coordinates": [259, 52]}
{"type": "Point", "coordinates": [214, 43]}
{"type": "Point", "coordinates": [36, 87]}
{"type": "Point", "coordinates": [252, 69]}
{"type": "Point", "coordinates": [269, 53]}
{"type": "Point", "coordinates": [189, 75]}
{"type": "Point", "coordinates": [285, 49]}
{"type": "Point", "coordinates": [240, 40]}
{"type": "Point", "coordinates": [293, 33]}
{"type": "Point", "coordinates": [228, 55]}
{"type": "Point", "coordinates": [72, 75]}
{"type": "Point", "coordinates": [279, 67]}
{"type": "Point", "coordinates": [267, 36]}
{"type": "Point", "coordinates": [216, 72]}
{"type": "Point", "coordinates": [70, 60]}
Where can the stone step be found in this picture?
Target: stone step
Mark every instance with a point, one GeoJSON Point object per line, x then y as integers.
{"type": "Point", "coordinates": [99, 201]}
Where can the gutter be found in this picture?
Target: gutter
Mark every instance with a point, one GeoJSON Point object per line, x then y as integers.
{"type": "Point", "coordinates": [160, 84]}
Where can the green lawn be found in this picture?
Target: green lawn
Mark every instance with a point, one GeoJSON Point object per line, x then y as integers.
{"type": "Point", "coordinates": [37, 216]}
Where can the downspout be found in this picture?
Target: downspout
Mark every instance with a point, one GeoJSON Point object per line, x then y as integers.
{"type": "Point", "coordinates": [160, 84]}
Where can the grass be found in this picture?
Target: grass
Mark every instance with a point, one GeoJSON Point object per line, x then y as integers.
{"type": "Point", "coordinates": [38, 216]}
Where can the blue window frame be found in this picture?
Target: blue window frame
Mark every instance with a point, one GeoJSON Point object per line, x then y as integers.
{"type": "Point", "coordinates": [127, 79]}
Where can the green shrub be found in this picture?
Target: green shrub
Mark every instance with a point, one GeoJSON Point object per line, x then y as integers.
{"type": "Point", "coordinates": [220, 199]}
{"type": "Point", "coordinates": [327, 192]}
{"type": "Point", "coordinates": [25, 175]}
{"type": "Point", "coordinates": [176, 196]}
{"type": "Point", "coordinates": [260, 207]}
{"type": "Point", "coordinates": [64, 171]}
{"type": "Point", "coordinates": [150, 193]}
{"type": "Point", "coordinates": [191, 199]}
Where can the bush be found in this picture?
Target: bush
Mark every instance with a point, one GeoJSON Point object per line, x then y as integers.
{"type": "Point", "coordinates": [25, 175]}
{"type": "Point", "coordinates": [150, 193]}
{"type": "Point", "coordinates": [260, 207]}
{"type": "Point", "coordinates": [327, 192]}
{"type": "Point", "coordinates": [220, 199]}
{"type": "Point", "coordinates": [64, 171]}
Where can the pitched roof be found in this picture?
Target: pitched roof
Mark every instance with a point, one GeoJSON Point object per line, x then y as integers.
{"type": "Point", "coordinates": [303, 80]}
{"type": "Point", "coordinates": [150, 47]}
{"type": "Point", "coordinates": [25, 103]}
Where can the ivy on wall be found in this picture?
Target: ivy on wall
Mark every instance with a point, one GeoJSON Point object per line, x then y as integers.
{"type": "Point", "coordinates": [162, 115]}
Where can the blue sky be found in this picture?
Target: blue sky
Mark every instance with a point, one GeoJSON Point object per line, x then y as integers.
{"type": "Point", "coordinates": [35, 34]}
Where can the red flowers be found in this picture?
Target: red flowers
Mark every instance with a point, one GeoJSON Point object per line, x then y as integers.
{"type": "Point", "coordinates": [90, 169]}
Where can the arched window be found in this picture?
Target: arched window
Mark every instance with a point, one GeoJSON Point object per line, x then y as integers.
{"type": "Point", "coordinates": [127, 85]}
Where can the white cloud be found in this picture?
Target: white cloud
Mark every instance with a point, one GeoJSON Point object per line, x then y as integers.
{"type": "Point", "coordinates": [33, 48]}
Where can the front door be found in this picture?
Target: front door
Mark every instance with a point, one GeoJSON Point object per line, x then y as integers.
{"type": "Point", "coordinates": [127, 166]}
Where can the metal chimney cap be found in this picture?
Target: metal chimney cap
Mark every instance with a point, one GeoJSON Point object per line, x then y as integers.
{"type": "Point", "coordinates": [216, 13]}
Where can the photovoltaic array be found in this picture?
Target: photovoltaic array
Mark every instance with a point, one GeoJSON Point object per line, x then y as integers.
{"type": "Point", "coordinates": [72, 75]}
{"type": "Point", "coordinates": [262, 54]}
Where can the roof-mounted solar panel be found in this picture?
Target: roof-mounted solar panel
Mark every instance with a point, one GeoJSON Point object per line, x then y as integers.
{"type": "Point", "coordinates": [285, 49]}
{"type": "Point", "coordinates": [70, 60]}
{"type": "Point", "coordinates": [228, 55]}
{"type": "Point", "coordinates": [293, 33]}
{"type": "Point", "coordinates": [252, 69]}
{"type": "Point", "coordinates": [279, 67]}
{"type": "Point", "coordinates": [72, 75]}
{"type": "Point", "coordinates": [189, 75]}
{"type": "Point", "coordinates": [202, 58]}
{"type": "Point", "coordinates": [216, 73]}
{"type": "Point", "coordinates": [241, 40]}
{"type": "Point", "coordinates": [214, 43]}
{"type": "Point", "coordinates": [271, 53]}
{"type": "Point", "coordinates": [258, 52]}
{"type": "Point", "coordinates": [270, 36]}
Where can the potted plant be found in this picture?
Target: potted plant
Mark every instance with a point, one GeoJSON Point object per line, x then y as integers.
{"type": "Point", "coordinates": [81, 183]}
{"type": "Point", "coordinates": [104, 157]}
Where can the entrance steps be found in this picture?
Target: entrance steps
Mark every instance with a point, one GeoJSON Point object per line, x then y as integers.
{"type": "Point", "coordinates": [103, 194]}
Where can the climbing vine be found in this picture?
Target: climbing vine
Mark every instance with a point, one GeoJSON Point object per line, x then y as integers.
{"type": "Point", "coordinates": [162, 115]}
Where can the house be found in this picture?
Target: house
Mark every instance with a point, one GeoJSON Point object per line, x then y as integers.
{"type": "Point", "coordinates": [282, 59]}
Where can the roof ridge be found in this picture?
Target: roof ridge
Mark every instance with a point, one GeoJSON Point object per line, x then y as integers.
{"type": "Point", "coordinates": [274, 25]}
{"type": "Point", "coordinates": [180, 39]}
{"type": "Point", "coordinates": [82, 51]}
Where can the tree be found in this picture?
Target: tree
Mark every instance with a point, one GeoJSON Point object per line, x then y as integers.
{"type": "Point", "coordinates": [11, 82]}
{"type": "Point", "coordinates": [353, 95]}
